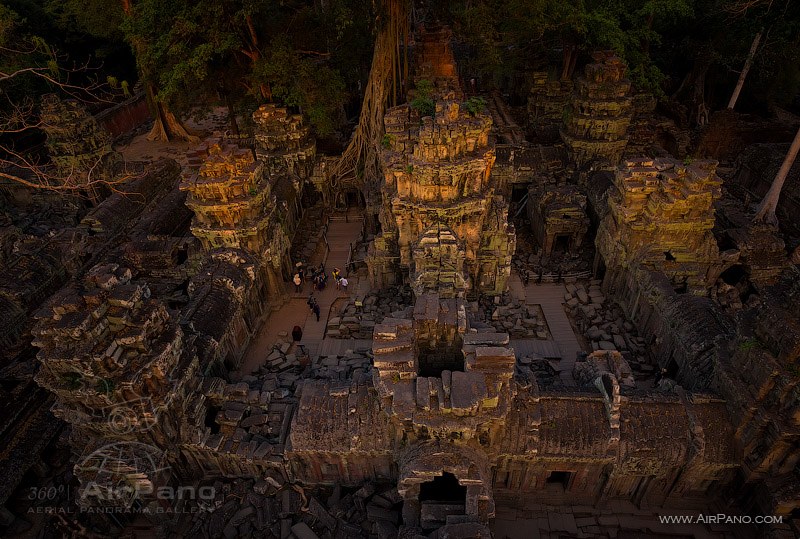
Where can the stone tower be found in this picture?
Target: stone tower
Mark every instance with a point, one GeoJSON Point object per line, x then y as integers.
{"type": "Point", "coordinates": [77, 145]}
{"type": "Point", "coordinates": [661, 218]}
{"type": "Point", "coordinates": [443, 219]}
{"type": "Point", "coordinates": [237, 204]}
{"type": "Point", "coordinates": [596, 122]}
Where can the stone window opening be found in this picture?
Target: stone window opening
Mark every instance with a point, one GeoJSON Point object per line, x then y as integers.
{"type": "Point", "coordinates": [561, 478]}
{"type": "Point", "coordinates": [211, 419]}
{"type": "Point", "coordinates": [443, 489]}
{"type": "Point", "coordinates": [669, 256]}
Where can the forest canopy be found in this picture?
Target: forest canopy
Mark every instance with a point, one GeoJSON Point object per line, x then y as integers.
{"type": "Point", "coordinates": [315, 55]}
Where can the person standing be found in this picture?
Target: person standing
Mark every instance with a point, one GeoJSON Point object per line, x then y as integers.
{"type": "Point", "coordinates": [336, 273]}
{"type": "Point", "coordinates": [297, 333]}
{"type": "Point", "coordinates": [315, 310]}
{"type": "Point", "coordinates": [343, 283]}
{"type": "Point", "coordinates": [298, 283]}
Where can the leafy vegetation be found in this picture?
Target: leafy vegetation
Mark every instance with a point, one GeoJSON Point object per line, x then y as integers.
{"type": "Point", "coordinates": [475, 105]}
{"type": "Point", "coordinates": [423, 98]}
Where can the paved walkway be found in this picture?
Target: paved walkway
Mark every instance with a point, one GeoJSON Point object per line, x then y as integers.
{"type": "Point", "coordinates": [551, 298]}
{"type": "Point", "coordinates": [295, 312]}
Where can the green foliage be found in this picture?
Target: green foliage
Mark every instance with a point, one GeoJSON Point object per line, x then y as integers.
{"type": "Point", "coordinates": [240, 52]}
{"type": "Point", "coordinates": [749, 344]}
{"type": "Point", "coordinates": [386, 141]}
{"type": "Point", "coordinates": [423, 98]}
{"type": "Point", "coordinates": [424, 88]}
{"type": "Point", "coordinates": [505, 36]}
{"type": "Point", "coordinates": [425, 106]}
{"type": "Point", "coordinates": [304, 82]}
{"type": "Point", "coordinates": [409, 169]}
{"type": "Point", "coordinates": [566, 114]}
{"type": "Point", "coordinates": [475, 105]}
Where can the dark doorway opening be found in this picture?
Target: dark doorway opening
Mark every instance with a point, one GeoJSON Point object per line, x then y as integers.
{"type": "Point", "coordinates": [561, 243]}
{"type": "Point", "coordinates": [353, 199]}
{"type": "Point", "coordinates": [733, 275]}
{"type": "Point", "coordinates": [600, 268]}
{"type": "Point", "coordinates": [518, 192]}
{"type": "Point", "coordinates": [672, 369]}
{"type": "Point", "coordinates": [437, 356]}
{"type": "Point", "coordinates": [559, 478]}
{"type": "Point", "coordinates": [211, 419]}
{"type": "Point", "coordinates": [444, 488]}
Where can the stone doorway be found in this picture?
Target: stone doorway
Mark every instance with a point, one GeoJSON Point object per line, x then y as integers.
{"type": "Point", "coordinates": [350, 199]}
{"type": "Point", "coordinates": [562, 243]}
{"type": "Point", "coordinates": [440, 498]}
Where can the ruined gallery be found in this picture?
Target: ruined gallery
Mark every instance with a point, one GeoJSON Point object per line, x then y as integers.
{"type": "Point", "coordinates": [544, 298]}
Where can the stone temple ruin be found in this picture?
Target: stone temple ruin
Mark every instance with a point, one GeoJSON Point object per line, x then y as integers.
{"type": "Point", "coordinates": [471, 398]}
{"type": "Point", "coordinates": [443, 224]}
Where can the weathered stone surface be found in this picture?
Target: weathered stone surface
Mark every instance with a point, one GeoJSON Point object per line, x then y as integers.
{"type": "Point", "coordinates": [443, 213]}
{"type": "Point", "coordinates": [596, 123]}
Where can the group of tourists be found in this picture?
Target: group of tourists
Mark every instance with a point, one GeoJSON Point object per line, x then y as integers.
{"type": "Point", "coordinates": [341, 282]}
{"type": "Point", "coordinates": [319, 278]}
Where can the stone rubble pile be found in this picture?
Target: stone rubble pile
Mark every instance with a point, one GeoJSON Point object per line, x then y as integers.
{"type": "Point", "coordinates": [271, 507]}
{"type": "Point", "coordinates": [729, 297]}
{"type": "Point", "coordinates": [357, 318]}
{"type": "Point", "coordinates": [604, 325]}
{"type": "Point", "coordinates": [529, 261]}
{"type": "Point", "coordinates": [282, 359]}
{"type": "Point", "coordinates": [534, 367]}
{"type": "Point", "coordinates": [352, 364]}
{"type": "Point", "coordinates": [520, 321]}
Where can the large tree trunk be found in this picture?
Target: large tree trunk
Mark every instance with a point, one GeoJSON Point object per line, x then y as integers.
{"type": "Point", "coordinates": [694, 85]}
{"type": "Point", "coordinates": [361, 154]}
{"type": "Point", "coordinates": [570, 57]}
{"type": "Point", "coordinates": [234, 125]}
{"type": "Point", "coordinates": [167, 127]}
{"type": "Point", "coordinates": [766, 210]}
{"type": "Point", "coordinates": [743, 74]}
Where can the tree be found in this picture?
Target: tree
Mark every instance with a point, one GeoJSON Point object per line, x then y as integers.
{"type": "Point", "coordinates": [361, 155]}
{"type": "Point", "coordinates": [743, 75]}
{"type": "Point", "coordinates": [141, 21]}
{"type": "Point", "coordinates": [29, 69]}
{"type": "Point", "coordinates": [766, 209]}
